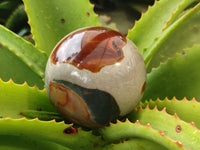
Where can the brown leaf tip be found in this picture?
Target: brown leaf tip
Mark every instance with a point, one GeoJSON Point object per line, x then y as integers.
{"type": "Point", "coordinates": [179, 143]}
{"type": "Point", "coordinates": [193, 124]}
{"type": "Point", "coordinates": [148, 125]}
{"type": "Point", "coordinates": [161, 133]}
{"type": "Point", "coordinates": [137, 122]}
{"type": "Point", "coordinates": [176, 116]}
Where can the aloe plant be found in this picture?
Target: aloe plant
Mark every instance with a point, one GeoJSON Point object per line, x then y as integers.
{"type": "Point", "coordinates": [167, 117]}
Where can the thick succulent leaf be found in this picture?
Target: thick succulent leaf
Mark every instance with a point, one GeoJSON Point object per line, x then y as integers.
{"type": "Point", "coordinates": [180, 10]}
{"type": "Point", "coordinates": [171, 126]}
{"type": "Point", "coordinates": [24, 143]}
{"type": "Point", "coordinates": [155, 20]}
{"type": "Point", "coordinates": [15, 98]}
{"type": "Point", "coordinates": [60, 133]}
{"type": "Point", "coordinates": [186, 110]}
{"type": "Point", "coordinates": [5, 4]}
{"type": "Point", "coordinates": [17, 22]}
{"type": "Point", "coordinates": [42, 115]}
{"type": "Point", "coordinates": [179, 77]}
{"type": "Point", "coordinates": [136, 144]}
{"type": "Point", "coordinates": [31, 61]}
{"type": "Point", "coordinates": [127, 130]}
{"type": "Point", "coordinates": [181, 34]}
{"type": "Point", "coordinates": [6, 8]}
{"type": "Point", "coordinates": [51, 20]}
{"type": "Point", "coordinates": [29, 54]}
{"type": "Point", "coordinates": [66, 135]}
{"type": "Point", "coordinates": [12, 66]}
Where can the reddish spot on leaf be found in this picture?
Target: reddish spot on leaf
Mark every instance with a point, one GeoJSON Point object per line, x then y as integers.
{"type": "Point", "coordinates": [21, 113]}
{"type": "Point", "coordinates": [0, 46]}
{"type": "Point", "coordinates": [39, 109]}
{"type": "Point", "coordinates": [178, 128]}
{"type": "Point", "coordinates": [95, 145]}
{"type": "Point", "coordinates": [195, 29]}
{"type": "Point", "coordinates": [70, 131]}
{"type": "Point", "coordinates": [62, 20]}
{"type": "Point", "coordinates": [87, 14]}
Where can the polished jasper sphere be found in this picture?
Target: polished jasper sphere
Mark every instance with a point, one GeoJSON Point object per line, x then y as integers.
{"type": "Point", "coordinates": [94, 75]}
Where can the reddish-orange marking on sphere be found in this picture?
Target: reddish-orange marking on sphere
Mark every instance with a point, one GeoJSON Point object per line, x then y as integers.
{"type": "Point", "coordinates": [70, 104]}
{"type": "Point", "coordinates": [143, 87]}
{"type": "Point", "coordinates": [90, 48]}
{"type": "Point", "coordinates": [65, 97]}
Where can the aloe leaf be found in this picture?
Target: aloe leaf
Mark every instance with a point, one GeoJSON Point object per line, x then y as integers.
{"type": "Point", "coordinates": [31, 56]}
{"type": "Point", "coordinates": [15, 98]}
{"type": "Point", "coordinates": [127, 130]}
{"type": "Point", "coordinates": [24, 143]}
{"type": "Point", "coordinates": [136, 143]}
{"type": "Point", "coordinates": [59, 133]}
{"type": "Point", "coordinates": [186, 110]}
{"type": "Point", "coordinates": [180, 10]}
{"type": "Point", "coordinates": [12, 66]}
{"type": "Point", "coordinates": [171, 126]}
{"type": "Point", "coordinates": [6, 4]}
{"type": "Point", "coordinates": [178, 77]}
{"type": "Point", "coordinates": [155, 20]}
{"type": "Point", "coordinates": [17, 20]}
{"type": "Point", "coordinates": [181, 34]}
{"type": "Point", "coordinates": [51, 20]}
{"type": "Point", "coordinates": [6, 8]}
{"type": "Point", "coordinates": [42, 115]}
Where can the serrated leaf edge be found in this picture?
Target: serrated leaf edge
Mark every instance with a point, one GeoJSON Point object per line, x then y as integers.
{"type": "Point", "coordinates": [34, 68]}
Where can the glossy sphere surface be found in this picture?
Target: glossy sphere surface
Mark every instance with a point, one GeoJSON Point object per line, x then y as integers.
{"type": "Point", "coordinates": [95, 75]}
{"type": "Point", "coordinates": [90, 49]}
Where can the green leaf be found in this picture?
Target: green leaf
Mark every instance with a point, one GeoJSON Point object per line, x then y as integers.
{"type": "Point", "coordinates": [171, 126]}
{"type": "Point", "coordinates": [51, 131]}
{"type": "Point", "coordinates": [51, 20]}
{"type": "Point", "coordinates": [136, 144]}
{"type": "Point", "coordinates": [42, 115]}
{"type": "Point", "coordinates": [6, 8]}
{"type": "Point", "coordinates": [178, 77]}
{"type": "Point", "coordinates": [15, 98]}
{"type": "Point", "coordinates": [181, 34]}
{"type": "Point", "coordinates": [128, 130]}
{"type": "Point", "coordinates": [24, 143]}
{"type": "Point", "coordinates": [12, 66]}
{"type": "Point", "coordinates": [18, 20]}
{"type": "Point", "coordinates": [31, 56]}
{"type": "Point", "coordinates": [186, 110]}
{"type": "Point", "coordinates": [155, 20]}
